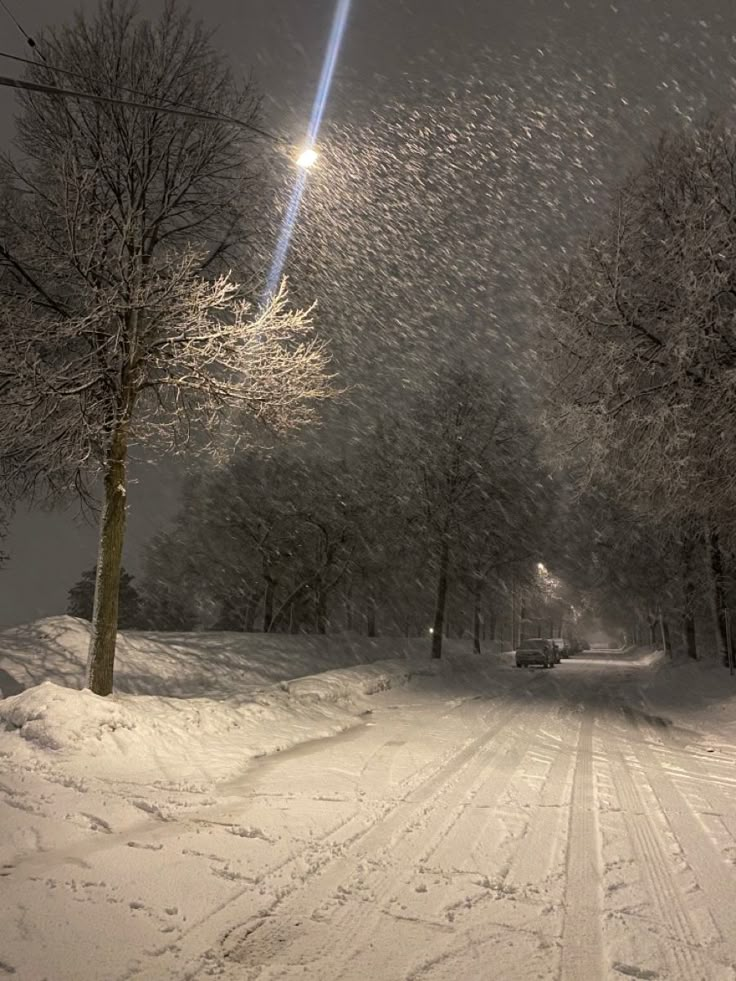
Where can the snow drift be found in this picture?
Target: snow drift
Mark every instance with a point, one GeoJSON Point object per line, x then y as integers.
{"type": "Point", "coordinates": [192, 707]}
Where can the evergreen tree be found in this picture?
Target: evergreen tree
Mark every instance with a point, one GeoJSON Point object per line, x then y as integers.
{"type": "Point", "coordinates": [82, 597]}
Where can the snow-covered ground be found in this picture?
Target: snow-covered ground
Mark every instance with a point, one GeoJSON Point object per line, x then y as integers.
{"type": "Point", "coordinates": [462, 820]}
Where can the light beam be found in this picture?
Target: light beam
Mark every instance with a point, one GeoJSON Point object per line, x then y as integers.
{"type": "Point", "coordinates": [309, 154]}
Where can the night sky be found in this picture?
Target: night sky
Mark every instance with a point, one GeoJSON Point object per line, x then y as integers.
{"type": "Point", "coordinates": [650, 62]}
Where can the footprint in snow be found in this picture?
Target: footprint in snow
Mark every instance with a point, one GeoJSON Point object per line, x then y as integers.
{"type": "Point", "coordinates": [241, 832]}
{"type": "Point", "coordinates": [640, 973]}
{"type": "Point", "coordinates": [89, 821]}
{"type": "Point", "coordinates": [149, 808]}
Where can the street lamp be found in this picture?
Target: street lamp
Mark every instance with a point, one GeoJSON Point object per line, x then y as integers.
{"type": "Point", "coordinates": [307, 158]}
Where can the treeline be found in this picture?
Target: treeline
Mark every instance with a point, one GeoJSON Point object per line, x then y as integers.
{"type": "Point", "coordinates": [640, 338]}
{"type": "Point", "coordinates": [422, 524]}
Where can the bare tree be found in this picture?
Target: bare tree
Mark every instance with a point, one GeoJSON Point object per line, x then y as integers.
{"type": "Point", "coordinates": [120, 320]}
{"type": "Point", "coordinates": [464, 447]}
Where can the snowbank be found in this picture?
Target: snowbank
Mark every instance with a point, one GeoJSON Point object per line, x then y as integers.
{"type": "Point", "coordinates": [170, 740]}
{"type": "Point", "coordinates": [700, 693]}
{"type": "Point", "coordinates": [60, 718]}
{"type": "Point", "coordinates": [183, 664]}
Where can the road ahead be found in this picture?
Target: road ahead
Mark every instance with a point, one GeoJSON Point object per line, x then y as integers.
{"type": "Point", "coordinates": [552, 828]}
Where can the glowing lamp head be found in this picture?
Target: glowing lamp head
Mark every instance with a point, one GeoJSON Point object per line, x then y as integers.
{"type": "Point", "coordinates": [307, 158]}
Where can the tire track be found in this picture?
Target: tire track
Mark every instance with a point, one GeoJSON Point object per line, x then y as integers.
{"type": "Point", "coordinates": [464, 820]}
{"type": "Point", "coordinates": [390, 847]}
{"type": "Point", "coordinates": [525, 866]}
{"type": "Point", "coordinates": [325, 861]}
{"type": "Point", "coordinates": [713, 873]}
{"type": "Point", "coordinates": [582, 944]}
{"type": "Point", "coordinates": [653, 861]}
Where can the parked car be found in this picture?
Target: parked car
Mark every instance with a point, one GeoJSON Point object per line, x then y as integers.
{"type": "Point", "coordinates": [560, 645]}
{"type": "Point", "coordinates": [536, 650]}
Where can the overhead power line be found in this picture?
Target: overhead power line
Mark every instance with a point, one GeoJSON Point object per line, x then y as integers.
{"type": "Point", "coordinates": [164, 105]}
{"type": "Point", "coordinates": [161, 103]}
{"type": "Point", "coordinates": [21, 83]}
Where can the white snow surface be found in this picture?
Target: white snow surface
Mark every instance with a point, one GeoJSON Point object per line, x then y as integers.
{"type": "Point", "coordinates": [461, 820]}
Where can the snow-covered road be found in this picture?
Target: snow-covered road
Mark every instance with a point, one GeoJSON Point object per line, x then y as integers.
{"type": "Point", "coordinates": [545, 825]}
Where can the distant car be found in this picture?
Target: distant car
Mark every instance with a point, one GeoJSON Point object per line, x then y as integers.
{"type": "Point", "coordinates": [536, 650]}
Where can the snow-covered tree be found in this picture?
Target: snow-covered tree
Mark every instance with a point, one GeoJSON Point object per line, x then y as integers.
{"type": "Point", "coordinates": [270, 532]}
{"type": "Point", "coordinates": [464, 452]}
{"type": "Point", "coordinates": [120, 321]}
{"type": "Point", "coordinates": [642, 341]}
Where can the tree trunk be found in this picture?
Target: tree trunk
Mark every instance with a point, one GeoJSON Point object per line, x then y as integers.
{"type": "Point", "coordinates": [101, 656]}
{"type": "Point", "coordinates": [249, 621]}
{"type": "Point", "coordinates": [522, 617]}
{"type": "Point", "coordinates": [371, 627]}
{"type": "Point", "coordinates": [268, 598]}
{"type": "Point", "coordinates": [718, 595]}
{"type": "Point", "coordinates": [349, 608]}
{"type": "Point", "coordinates": [441, 599]}
{"type": "Point", "coordinates": [476, 616]}
{"type": "Point", "coordinates": [652, 623]}
{"type": "Point", "coordinates": [666, 640]}
{"type": "Point", "coordinates": [688, 613]}
{"type": "Point", "coordinates": [321, 609]}
{"type": "Point", "coordinates": [688, 636]}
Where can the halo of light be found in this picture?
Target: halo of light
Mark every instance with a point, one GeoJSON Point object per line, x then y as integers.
{"type": "Point", "coordinates": [307, 158]}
